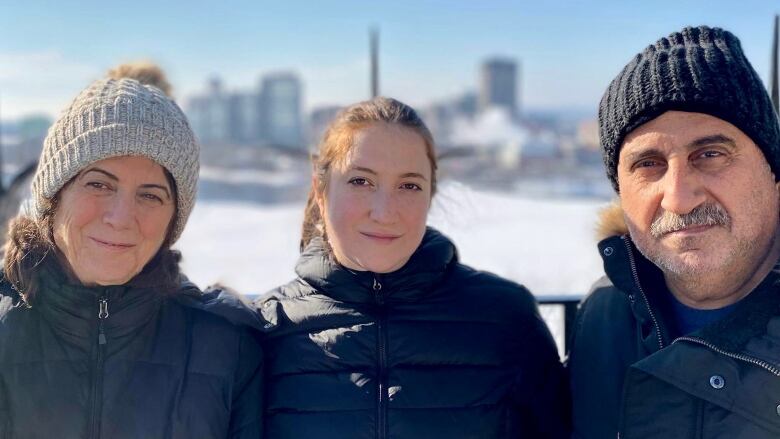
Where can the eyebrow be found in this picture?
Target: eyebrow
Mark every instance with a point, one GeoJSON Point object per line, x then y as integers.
{"type": "Point", "coordinates": [696, 143]}
{"type": "Point", "coordinates": [709, 140]}
{"type": "Point", "coordinates": [363, 169]}
{"type": "Point", "coordinates": [106, 173]}
{"type": "Point", "coordinates": [414, 175]}
{"type": "Point", "coordinates": [405, 175]}
{"type": "Point", "coordinates": [115, 178]}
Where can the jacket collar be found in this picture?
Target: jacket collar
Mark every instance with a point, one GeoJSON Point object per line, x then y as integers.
{"type": "Point", "coordinates": [642, 282]}
{"type": "Point", "coordinates": [73, 309]}
{"type": "Point", "coordinates": [425, 268]}
{"type": "Point", "coordinates": [633, 274]}
{"type": "Point", "coordinates": [622, 262]}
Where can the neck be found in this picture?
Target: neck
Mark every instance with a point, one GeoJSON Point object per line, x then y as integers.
{"type": "Point", "coordinates": [720, 288]}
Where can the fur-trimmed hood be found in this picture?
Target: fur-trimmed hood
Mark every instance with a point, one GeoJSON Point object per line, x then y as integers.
{"type": "Point", "coordinates": [611, 221]}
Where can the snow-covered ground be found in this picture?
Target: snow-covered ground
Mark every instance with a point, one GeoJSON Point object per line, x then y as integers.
{"type": "Point", "coordinates": [547, 245]}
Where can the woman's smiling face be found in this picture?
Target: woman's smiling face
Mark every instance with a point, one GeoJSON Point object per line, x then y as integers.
{"type": "Point", "coordinates": [112, 218]}
{"type": "Point", "coordinates": [376, 201]}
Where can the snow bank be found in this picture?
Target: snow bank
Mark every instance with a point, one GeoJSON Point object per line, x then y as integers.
{"type": "Point", "coordinates": [547, 245]}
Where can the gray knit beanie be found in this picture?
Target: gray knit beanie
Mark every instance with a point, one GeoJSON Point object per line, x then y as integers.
{"type": "Point", "coordinates": [698, 69]}
{"type": "Point", "coordinates": [126, 114]}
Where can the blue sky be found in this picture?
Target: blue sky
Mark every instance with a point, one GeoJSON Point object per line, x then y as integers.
{"type": "Point", "coordinates": [569, 50]}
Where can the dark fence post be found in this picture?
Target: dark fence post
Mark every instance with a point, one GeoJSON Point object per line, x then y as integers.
{"type": "Point", "coordinates": [569, 302]}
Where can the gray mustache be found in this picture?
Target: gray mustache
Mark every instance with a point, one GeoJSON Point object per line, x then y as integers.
{"type": "Point", "coordinates": [704, 215]}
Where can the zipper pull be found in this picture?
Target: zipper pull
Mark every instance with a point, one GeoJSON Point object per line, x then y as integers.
{"type": "Point", "coordinates": [378, 291]}
{"type": "Point", "coordinates": [102, 315]}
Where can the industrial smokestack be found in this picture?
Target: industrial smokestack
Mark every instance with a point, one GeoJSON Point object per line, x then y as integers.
{"type": "Point", "coordinates": [374, 47]}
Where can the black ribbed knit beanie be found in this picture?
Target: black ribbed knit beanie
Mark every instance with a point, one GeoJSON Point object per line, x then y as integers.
{"type": "Point", "coordinates": [698, 69]}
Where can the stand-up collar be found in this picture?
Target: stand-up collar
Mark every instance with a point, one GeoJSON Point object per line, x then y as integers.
{"type": "Point", "coordinates": [643, 284]}
{"type": "Point", "coordinates": [72, 309]}
{"type": "Point", "coordinates": [425, 268]}
{"type": "Point", "coordinates": [624, 265]}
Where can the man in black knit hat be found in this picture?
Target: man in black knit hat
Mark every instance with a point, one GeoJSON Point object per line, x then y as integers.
{"type": "Point", "coordinates": [681, 338]}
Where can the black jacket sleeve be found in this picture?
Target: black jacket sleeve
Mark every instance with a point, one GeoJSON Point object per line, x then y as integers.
{"type": "Point", "coordinates": [246, 418]}
{"type": "Point", "coordinates": [540, 390]}
{"type": "Point", "coordinates": [602, 345]}
{"type": "Point", "coordinates": [5, 417]}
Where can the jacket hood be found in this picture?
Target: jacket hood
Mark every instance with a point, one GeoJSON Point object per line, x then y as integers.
{"type": "Point", "coordinates": [425, 267]}
{"type": "Point", "coordinates": [611, 221]}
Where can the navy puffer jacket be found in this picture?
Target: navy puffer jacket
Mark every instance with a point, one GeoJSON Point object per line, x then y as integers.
{"type": "Point", "coordinates": [126, 361]}
{"type": "Point", "coordinates": [433, 350]}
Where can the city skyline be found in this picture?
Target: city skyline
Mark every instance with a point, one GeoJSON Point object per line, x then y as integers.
{"type": "Point", "coordinates": [429, 51]}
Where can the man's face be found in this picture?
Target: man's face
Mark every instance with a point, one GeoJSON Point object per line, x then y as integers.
{"type": "Point", "coordinates": [698, 196]}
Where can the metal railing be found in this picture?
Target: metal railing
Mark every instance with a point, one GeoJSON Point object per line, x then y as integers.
{"type": "Point", "coordinates": [558, 311]}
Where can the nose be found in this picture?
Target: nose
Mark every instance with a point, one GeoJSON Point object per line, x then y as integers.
{"type": "Point", "coordinates": [683, 189]}
{"type": "Point", "coordinates": [119, 212]}
{"type": "Point", "coordinates": [383, 207]}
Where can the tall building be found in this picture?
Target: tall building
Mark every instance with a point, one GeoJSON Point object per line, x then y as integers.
{"type": "Point", "coordinates": [270, 114]}
{"type": "Point", "coordinates": [498, 85]}
{"type": "Point", "coordinates": [281, 109]}
{"type": "Point", "coordinates": [209, 114]}
{"type": "Point", "coordinates": [244, 117]}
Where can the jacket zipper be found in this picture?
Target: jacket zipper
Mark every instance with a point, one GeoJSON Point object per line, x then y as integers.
{"type": "Point", "coordinates": [742, 357]}
{"type": "Point", "coordinates": [97, 372]}
{"type": "Point", "coordinates": [381, 338]}
{"type": "Point", "coordinates": [642, 292]}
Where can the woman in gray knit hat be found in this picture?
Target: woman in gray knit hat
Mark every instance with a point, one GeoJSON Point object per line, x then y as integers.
{"type": "Point", "coordinates": [103, 336]}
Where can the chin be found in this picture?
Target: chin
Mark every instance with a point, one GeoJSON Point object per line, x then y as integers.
{"type": "Point", "coordinates": [690, 265]}
{"type": "Point", "coordinates": [386, 267]}
{"type": "Point", "coordinates": [105, 277]}
{"type": "Point", "coordinates": [115, 281]}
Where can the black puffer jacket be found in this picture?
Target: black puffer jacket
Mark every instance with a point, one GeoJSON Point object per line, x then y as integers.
{"type": "Point", "coordinates": [126, 362]}
{"type": "Point", "coordinates": [629, 377]}
{"type": "Point", "coordinates": [433, 350]}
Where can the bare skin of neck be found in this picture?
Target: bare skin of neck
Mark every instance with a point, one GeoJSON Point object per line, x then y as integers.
{"type": "Point", "coordinates": [696, 291]}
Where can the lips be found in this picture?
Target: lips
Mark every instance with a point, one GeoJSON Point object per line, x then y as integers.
{"type": "Point", "coordinates": [111, 245]}
{"type": "Point", "coordinates": [380, 237]}
{"type": "Point", "coordinates": [691, 230]}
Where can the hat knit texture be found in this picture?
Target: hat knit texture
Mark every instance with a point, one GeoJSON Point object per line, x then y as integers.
{"type": "Point", "coordinates": [119, 117]}
{"type": "Point", "coordinates": [698, 69]}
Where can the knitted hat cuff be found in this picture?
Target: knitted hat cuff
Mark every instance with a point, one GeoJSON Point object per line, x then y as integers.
{"type": "Point", "coordinates": [67, 162]}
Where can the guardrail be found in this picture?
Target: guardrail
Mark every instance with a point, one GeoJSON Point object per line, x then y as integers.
{"type": "Point", "coordinates": [561, 322]}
